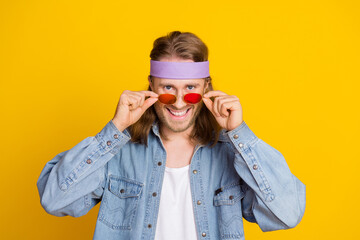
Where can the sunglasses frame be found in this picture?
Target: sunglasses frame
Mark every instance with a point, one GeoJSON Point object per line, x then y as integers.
{"type": "Point", "coordinates": [175, 98]}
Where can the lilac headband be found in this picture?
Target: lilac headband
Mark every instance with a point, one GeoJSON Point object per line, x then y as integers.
{"type": "Point", "coordinates": [179, 70]}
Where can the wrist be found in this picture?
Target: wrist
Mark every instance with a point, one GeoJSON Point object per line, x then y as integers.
{"type": "Point", "coordinates": [118, 125]}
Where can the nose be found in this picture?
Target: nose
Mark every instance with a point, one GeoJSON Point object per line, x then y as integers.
{"type": "Point", "coordinates": [179, 104]}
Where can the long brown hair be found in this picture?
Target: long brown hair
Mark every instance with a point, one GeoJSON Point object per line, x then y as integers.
{"type": "Point", "coordinates": [184, 45]}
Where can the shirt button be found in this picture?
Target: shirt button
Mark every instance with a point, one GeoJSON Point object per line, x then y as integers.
{"type": "Point", "coordinates": [63, 187]}
{"type": "Point", "coordinates": [231, 197]}
{"type": "Point", "coordinates": [195, 171]}
{"type": "Point", "coordinates": [122, 191]}
{"type": "Point", "coordinates": [241, 145]}
{"type": "Point", "coordinates": [198, 202]}
{"type": "Point", "coordinates": [116, 136]}
{"type": "Point", "coordinates": [236, 136]}
{"type": "Point", "coordinates": [203, 234]}
{"type": "Point", "coordinates": [88, 161]}
{"type": "Point", "coordinates": [159, 163]}
{"type": "Point", "coordinates": [154, 194]}
{"type": "Point", "coordinates": [108, 143]}
{"type": "Point", "coordinates": [149, 226]}
{"type": "Point", "coordinates": [255, 166]}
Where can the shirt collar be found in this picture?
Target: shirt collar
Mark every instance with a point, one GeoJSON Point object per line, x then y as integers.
{"type": "Point", "coordinates": [223, 137]}
{"type": "Point", "coordinates": [155, 128]}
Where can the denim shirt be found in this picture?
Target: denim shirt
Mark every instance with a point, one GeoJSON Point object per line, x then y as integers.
{"type": "Point", "coordinates": [240, 177]}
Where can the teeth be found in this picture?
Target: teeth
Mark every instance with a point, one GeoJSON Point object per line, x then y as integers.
{"type": "Point", "coordinates": [178, 113]}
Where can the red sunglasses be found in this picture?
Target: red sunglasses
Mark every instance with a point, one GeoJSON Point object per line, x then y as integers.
{"type": "Point", "coordinates": [191, 98]}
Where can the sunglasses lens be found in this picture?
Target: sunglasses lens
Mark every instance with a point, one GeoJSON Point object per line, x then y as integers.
{"type": "Point", "coordinates": [167, 98]}
{"type": "Point", "coordinates": [192, 98]}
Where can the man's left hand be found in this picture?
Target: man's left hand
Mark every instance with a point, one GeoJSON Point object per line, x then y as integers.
{"type": "Point", "coordinates": [226, 109]}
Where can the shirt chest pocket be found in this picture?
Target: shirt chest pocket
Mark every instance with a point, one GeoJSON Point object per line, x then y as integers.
{"type": "Point", "coordinates": [120, 202]}
{"type": "Point", "coordinates": [228, 208]}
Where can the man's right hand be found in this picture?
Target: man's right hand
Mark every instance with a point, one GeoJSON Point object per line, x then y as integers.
{"type": "Point", "coordinates": [131, 107]}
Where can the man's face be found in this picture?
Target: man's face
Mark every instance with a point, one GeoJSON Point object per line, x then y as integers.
{"type": "Point", "coordinates": [180, 115]}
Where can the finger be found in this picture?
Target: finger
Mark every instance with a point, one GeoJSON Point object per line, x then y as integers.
{"type": "Point", "coordinates": [134, 102]}
{"type": "Point", "coordinates": [220, 101]}
{"type": "Point", "coordinates": [127, 97]}
{"type": "Point", "coordinates": [212, 107]}
{"type": "Point", "coordinates": [217, 106]}
{"type": "Point", "coordinates": [142, 96]}
{"type": "Point", "coordinates": [145, 94]}
{"type": "Point", "coordinates": [149, 93]}
{"type": "Point", "coordinates": [148, 102]}
{"type": "Point", "coordinates": [209, 104]}
{"type": "Point", "coordinates": [142, 100]}
{"type": "Point", "coordinates": [214, 94]}
{"type": "Point", "coordinates": [139, 96]}
{"type": "Point", "coordinates": [226, 107]}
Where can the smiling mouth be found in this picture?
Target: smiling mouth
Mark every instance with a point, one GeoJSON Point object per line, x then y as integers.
{"type": "Point", "coordinates": [178, 113]}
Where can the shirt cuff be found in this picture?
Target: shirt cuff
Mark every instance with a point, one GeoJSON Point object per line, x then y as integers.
{"type": "Point", "coordinates": [111, 139]}
{"type": "Point", "coordinates": [241, 137]}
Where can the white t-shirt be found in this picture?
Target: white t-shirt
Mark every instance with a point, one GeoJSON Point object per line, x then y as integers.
{"type": "Point", "coordinates": [176, 215]}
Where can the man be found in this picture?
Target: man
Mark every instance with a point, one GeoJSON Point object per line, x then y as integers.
{"type": "Point", "coordinates": [176, 161]}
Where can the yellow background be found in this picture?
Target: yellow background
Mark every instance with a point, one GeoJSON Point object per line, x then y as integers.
{"type": "Point", "coordinates": [293, 64]}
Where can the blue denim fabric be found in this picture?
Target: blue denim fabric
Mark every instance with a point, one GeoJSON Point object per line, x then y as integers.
{"type": "Point", "coordinates": [240, 177]}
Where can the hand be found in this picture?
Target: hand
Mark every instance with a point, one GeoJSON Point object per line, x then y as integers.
{"type": "Point", "coordinates": [131, 106]}
{"type": "Point", "coordinates": [226, 109]}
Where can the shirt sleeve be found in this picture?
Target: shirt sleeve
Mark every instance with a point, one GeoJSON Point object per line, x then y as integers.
{"type": "Point", "coordinates": [73, 181]}
{"type": "Point", "coordinates": [274, 197]}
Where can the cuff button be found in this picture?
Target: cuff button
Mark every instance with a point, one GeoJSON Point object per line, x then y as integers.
{"type": "Point", "coordinates": [116, 136]}
{"type": "Point", "coordinates": [236, 136]}
{"type": "Point", "coordinates": [241, 145]}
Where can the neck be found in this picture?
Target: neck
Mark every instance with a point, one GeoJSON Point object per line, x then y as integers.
{"type": "Point", "coordinates": [171, 136]}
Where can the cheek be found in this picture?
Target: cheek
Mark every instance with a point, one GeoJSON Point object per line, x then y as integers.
{"type": "Point", "coordinates": [198, 107]}
{"type": "Point", "coordinates": [158, 106]}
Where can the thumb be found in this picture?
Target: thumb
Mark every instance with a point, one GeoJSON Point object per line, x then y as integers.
{"type": "Point", "coordinates": [148, 102]}
{"type": "Point", "coordinates": [209, 104]}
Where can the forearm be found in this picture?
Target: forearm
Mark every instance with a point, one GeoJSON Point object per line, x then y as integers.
{"type": "Point", "coordinates": [278, 201]}
{"type": "Point", "coordinates": [75, 178]}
